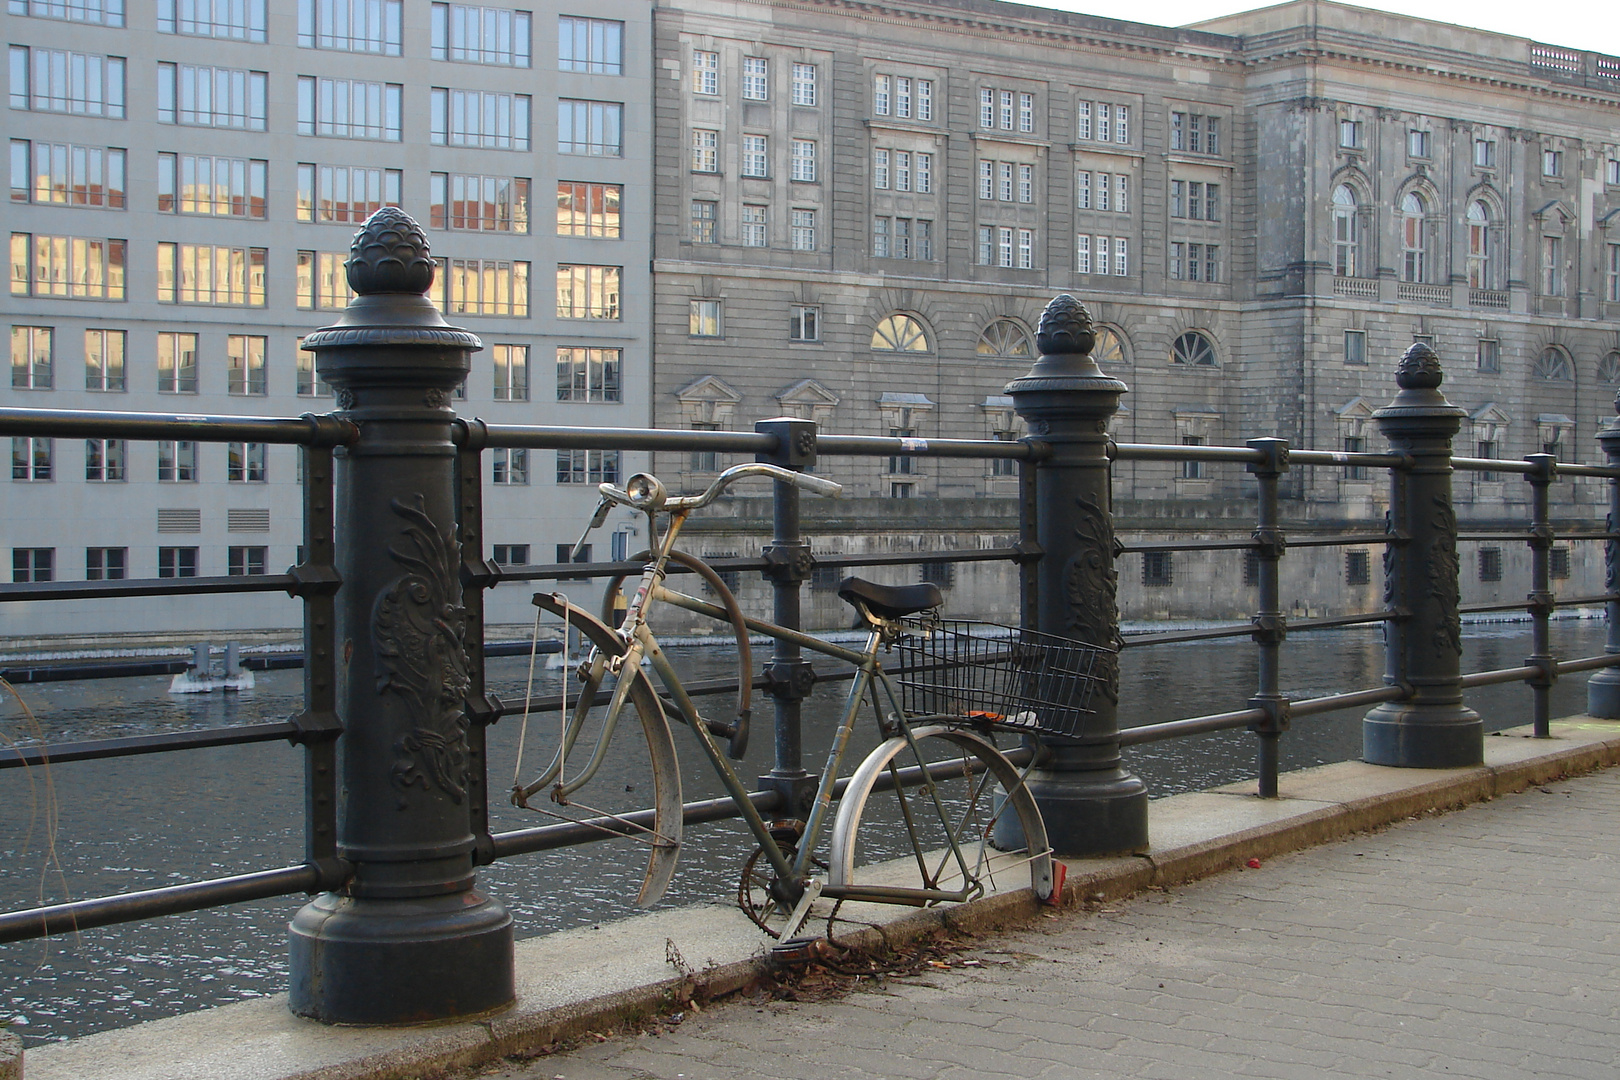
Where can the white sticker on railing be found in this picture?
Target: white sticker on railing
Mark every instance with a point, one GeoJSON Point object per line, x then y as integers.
{"type": "Point", "coordinates": [913, 444]}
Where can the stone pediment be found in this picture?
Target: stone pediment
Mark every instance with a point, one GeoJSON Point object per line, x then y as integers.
{"type": "Point", "coordinates": [708, 388]}
{"type": "Point", "coordinates": [1357, 407]}
{"type": "Point", "coordinates": [808, 392]}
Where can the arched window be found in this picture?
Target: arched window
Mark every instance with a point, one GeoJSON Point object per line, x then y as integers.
{"type": "Point", "coordinates": [1480, 274]}
{"type": "Point", "coordinates": [1005, 340]}
{"type": "Point", "coordinates": [1552, 365]}
{"type": "Point", "coordinates": [1193, 348]}
{"type": "Point", "coordinates": [899, 333]}
{"type": "Point", "coordinates": [1346, 232]}
{"type": "Point", "coordinates": [1413, 230]}
{"type": "Point", "coordinates": [1609, 368]}
{"type": "Point", "coordinates": [1110, 347]}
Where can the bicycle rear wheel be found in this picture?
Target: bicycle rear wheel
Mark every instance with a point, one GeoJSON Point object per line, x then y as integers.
{"type": "Point", "coordinates": [915, 823]}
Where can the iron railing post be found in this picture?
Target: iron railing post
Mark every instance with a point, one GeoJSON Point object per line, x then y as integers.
{"type": "Point", "coordinates": [1540, 602]}
{"type": "Point", "coordinates": [408, 938]}
{"type": "Point", "coordinates": [1603, 689]}
{"type": "Point", "coordinates": [1091, 804]}
{"type": "Point", "coordinates": [1429, 728]}
{"type": "Point", "coordinates": [478, 576]}
{"type": "Point", "coordinates": [1270, 626]}
{"type": "Point", "coordinates": [789, 676]}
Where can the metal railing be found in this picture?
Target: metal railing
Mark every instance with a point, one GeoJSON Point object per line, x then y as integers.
{"type": "Point", "coordinates": [415, 823]}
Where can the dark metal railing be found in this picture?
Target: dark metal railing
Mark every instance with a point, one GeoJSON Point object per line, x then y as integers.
{"type": "Point", "coordinates": [415, 823]}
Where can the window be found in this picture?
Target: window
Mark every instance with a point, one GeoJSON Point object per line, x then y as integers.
{"type": "Point", "coordinates": [177, 462]}
{"type": "Point", "coordinates": [349, 195]}
{"type": "Point", "coordinates": [802, 233]}
{"type": "Point", "coordinates": [310, 384]}
{"type": "Point", "coordinates": [350, 109]}
{"type": "Point", "coordinates": [241, 21]}
{"type": "Point", "coordinates": [201, 274]}
{"type": "Point", "coordinates": [1192, 470]}
{"type": "Point", "coordinates": [1558, 563]}
{"type": "Point", "coordinates": [1552, 266]}
{"type": "Point", "coordinates": [501, 204]}
{"type": "Point", "coordinates": [104, 361]}
{"type": "Point", "coordinates": [1552, 365]}
{"type": "Point", "coordinates": [177, 363]}
{"type": "Point", "coordinates": [880, 169]}
{"type": "Point", "coordinates": [104, 460]}
{"type": "Point", "coordinates": [33, 564]}
{"type": "Point", "coordinates": [177, 562]}
{"type": "Point", "coordinates": [1004, 181]}
{"type": "Point", "coordinates": [996, 108]}
{"type": "Point", "coordinates": [211, 97]}
{"type": "Point", "coordinates": [1355, 444]}
{"type": "Point", "coordinates": [245, 561]}
{"type": "Point", "coordinates": [1026, 183]}
{"type": "Point", "coordinates": [1251, 568]}
{"type": "Point", "coordinates": [1355, 348]}
{"type": "Point", "coordinates": [512, 554]}
{"type": "Point", "coordinates": [1350, 134]}
{"type": "Point", "coordinates": [364, 26]}
{"type": "Point", "coordinates": [490, 120]}
{"type": "Point", "coordinates": [1480, 275]}
{"type": "Point", "coordinates": [491, 287]}
{"type": "Point", "coordinates": [509, 466]}
{"type": "Point", "coordinates": [1552, 163]}
{"type": "Point", "coordinates": [1485, 153]}
{"type": "Point", "coordinates": [703, 214]}
{"type": "Point", "coordinates": [588, 374]}
{"type": "Point", "coordinates": [903, 97]}
{"type": "Point", "coordinates": [587, 467]}
{"type": "Point", "coordinates": [66, 174]}
{"type": "Point", "coordinates": [705, 150]}
{"type": "Point", "coordinates": [75, 267]}
{"type": "Point", "coordinates": [1486, 448]}
{"type": "Point", "coordinates": [1103, 122]}
{"type": "Point", "coordinates": [53, 80]}
{"type": "Point", "coordinates": [755, 78]}
{"type": "Point", "coordinates": [1414, 245]}
{"type": "Point", "coordinates": [585, 210]}
{"type": "Point", "coordinates": [31, 365]}
{"type": "Point", "coordinates": [1346, 232]}
{"type": "Point", "coordinates": [804, 323]}
{"type": "Point", "coordinates": [1611, 175]}
{"type": "Point", "coordinates": [1006, 247]}
{"type": "Point", "coordinates": [755, 156]}
{"type": "Point", "coordinates": [511, 372]}
{"type": "Point", "coordinates": [102, 12]}
{"type": "Point", "coordinates": [1487, 356]}
{"type": "Point", "coordinates": [201, 184]}
{"type": "Point", "coordinates": [244, 372]}
{"type": "Point", "coordinates": [322, 283]}
{"type": "Point", "coordinates": [1612, 285]}
{"type": "Point", "coordinates": [901, 464]}
{"type": "Point", "coordinates": [1193, 349]}
{"type": "Point", "coordinates": [1490, 564]}
{"type": "Point", "coordinates": [1194, 200]}
{"type": "Point", "coordinates": [1004, 340]}
{"type": "Point", "coordinates": [1417, 144]}
{"type": "Point", "coordinates": [31, 458]}
{"type": "Point", "coordinates": [899, 333]}
{"type": "Point", "coordinates": [566, 554]}
{"type": "Point", "coordinates": [1195, 262]}
{"type": "Point", "coordinates": [754, 226]}
{"type": "Point", "coordinates": [1194, 133]}
{"type": "Point", "coordinates": [804, 84]}
{"type": "Point", "coordinates": [705, 72]}
{"type": "Point", "coordinates": [587, 292]}
{"type": "Point", "coordinates": [106, 563]}
{"type": "Point", "coordinates": [245, 463]}
{"type": "Point", "coordinates": [587, 46]}
{"type": "Point", "coordinates": [703, 318]}
{"type": "Point", "coordinates": [804, 160]}
{"type": "Point", "coordinates": [1357, 568]}
{"type": "Point", "coordinates": [1157, 569]}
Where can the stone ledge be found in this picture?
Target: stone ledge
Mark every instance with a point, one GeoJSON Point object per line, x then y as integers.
{"type": "Point", "coordinates": [594, 978]}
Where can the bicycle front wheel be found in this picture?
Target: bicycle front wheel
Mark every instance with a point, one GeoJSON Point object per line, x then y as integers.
{"type": "Point", "coordinates": [915, 823]}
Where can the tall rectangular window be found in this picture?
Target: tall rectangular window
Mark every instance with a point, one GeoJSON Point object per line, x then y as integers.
{"type": "Point", "coordinates": [804, 322]}
{"type": "Point", "coordinates": [1082, 189]}
{"type": "Point", "coordinates": [32, 458]}
{"type": "Point", "coordinates": [177, 562]}
{"type": "Point", "coordinates": [490, 120]}
{"type": "Point", "coordinates": [804, 84]}
{"type": "Point", "coordinates": [754, 226]}
{"type": "Point", "coordinates": [1552, 266]}
{"type": "Point", "coordinates": [925, 173]}
{"type": "Point", "coordinates": [177, 462]}
{"type": "Point", "coordinates": [104, 361]}
{"type": "Point", "coordinates": [756, 156]}
{"type": "Point", "coordinates": [364, 26]}
{"type": "Point", "coordinates": [1355, 348]}
{"type": "Point", "coordinates": [245, 560]}
{"type": "Point", "coordinates": [705, 72]}
{"type": "Point", "coordinates": [244, 365]}
{"type": "Point", "coordinates": [1485, 153]}
{"type": "Point", "coordinates": [1082, 254]}
{"type": "Point", "coordinates": [74, 267]}
{"type": "Point", "coordinates": [104, 461]}
{"type": "Point", "coordinates": [509, 465]}
{"type": "Point", "coordinates": [344, 194]}
{"type": "Point", "coordinates": [308, 380]}
{"type": "Point", "coordinates": [802, 230]}
{"type": "Point", "coordinates": [804, 160]}
{"type": "Point", "coordinates": [511, 372]}
{"type": "Point", "coordinates": [585, 373]}
{"type": "Point", "coordinates": [1490, 564]}
{"type": "Point", "coordinates": [1026, 113]}
{"type": "Point", "coordinates": [54, 80]}
{"type": "Point", "coordinates": [1487, 356]}
{"type": "Point", "coordinates": [197, 96]}
{"type": "Point", "coordinates": [246, 463]}
{"type": "Point", "coordinates": [482, 287]}
{"type": "Point", "coordinates": [882, 94]}
{"type": "Point", "coordinates": [67, 174]}
{"type": "Point", "coordinates": [350, 109]}
{"type": "Point", "coordinates": [755, 78]}
{"type": "Point", "coordinates": [1082, 120]}
{"type": "Point", "coordinates": [587, 46]}
{"type": "Point", "coordinates": [106, 563]}
{"type": "Point", "coordinates": [880, 169]}
{"type": "Point", "coordinates": [96, 12]}
{"type": "Point", "coordinates": [176, 362]}
{"type": "Point", "coordinates": [593, 128]}
{"type": "Point", "coordinates": [703, 221]}
{"type": "Point", "coordinates": [203, 274]}
{"type": "Point", "coordinates": [1552, 163]}
{"type": "Point", "coordinates": [902, 97]}
{"type": "Point", "coordinates": [703, 318]}
{"type": "Point", "coordinates": [242, 20]}
{"type": "Point", "coordinates": [218, 186]}
{"type": "Point", "coordinates": [321, 284]}
{"type": "Point", "coordinates": [586, 210]}
{"type": "Point", "coordinates": [486, 35]}
{"type": "Point", "coordinates": [31, 357]}
{"type": "Point", "coordinates": [588, 467]}
{"type": "Point", "coordinates": [588, 292]}
{"type": "Point", "coordinates": [1612, 265]}
{"type": "Point", "coordinates": [33, 564]}
{"type": "Point", "coordinates": [1026, 183]}
{"type": "Point", "coordinates": [481, 203]}
{"type": "Point", "coordinates": [705, 150]}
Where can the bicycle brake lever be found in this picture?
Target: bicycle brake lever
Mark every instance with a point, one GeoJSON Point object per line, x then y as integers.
{"type": "Point", "coordinates": [738, 746]}
{"type": "Point", "coordinates": [597, 520]}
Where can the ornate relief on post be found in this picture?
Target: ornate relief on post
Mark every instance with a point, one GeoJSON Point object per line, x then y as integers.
{"type": "Point", "coordinates": [1091, 587]}
{"type": "Point", "coordinates": [418, 634]}
{"type": "Point", "coordinates": [1442, 569]}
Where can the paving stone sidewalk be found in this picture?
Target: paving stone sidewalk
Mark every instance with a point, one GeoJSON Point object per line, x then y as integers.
{"type": "Point", "coordinates": [1483, 944]}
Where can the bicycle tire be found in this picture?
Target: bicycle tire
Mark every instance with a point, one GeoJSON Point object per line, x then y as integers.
{"type": "Point", "coordinates": [663, 836]}
{"type": "Point", "coordinates": [872, 845]}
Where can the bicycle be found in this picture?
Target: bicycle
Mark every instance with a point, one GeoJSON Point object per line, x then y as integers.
{"type": "Point", "coordinates": [937, 780]}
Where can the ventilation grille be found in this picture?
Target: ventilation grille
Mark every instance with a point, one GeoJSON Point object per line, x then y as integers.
{"type": "Point", "coordinates": [242, 521]}
{"type": "Point", "coordinates": [179, 521]}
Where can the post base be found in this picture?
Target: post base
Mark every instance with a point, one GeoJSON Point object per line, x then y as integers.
{"type": "Point", "coordinates": [1603, 695]}
{"type": "Point", "coordinates": [372, 961]}
{"type": "Point", "coordinates": [1086, 814]}
{"type": "Point", "coordinates": [1411, 736]}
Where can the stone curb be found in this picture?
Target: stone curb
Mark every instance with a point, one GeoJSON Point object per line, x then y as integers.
{"type": "Point", "coordinates": [1199, 834]}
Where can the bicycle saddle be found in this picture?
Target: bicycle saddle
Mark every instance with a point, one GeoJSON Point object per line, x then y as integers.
{"type": "Point", "coordinates": [890, 601]}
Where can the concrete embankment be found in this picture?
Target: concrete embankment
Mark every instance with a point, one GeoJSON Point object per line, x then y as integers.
{"type": "Point", "coordinates": [601, 977]}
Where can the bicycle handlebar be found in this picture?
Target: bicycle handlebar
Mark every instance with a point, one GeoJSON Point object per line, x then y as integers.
{"type": "Point", "coordinates": [645, 492]}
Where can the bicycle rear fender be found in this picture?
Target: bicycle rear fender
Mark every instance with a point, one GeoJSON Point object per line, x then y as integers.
{"type": "Point", "coordinates": [668, 818]}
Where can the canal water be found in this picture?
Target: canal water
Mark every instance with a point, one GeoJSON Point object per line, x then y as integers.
{"type": "Point", "coordinates": [86, 829]}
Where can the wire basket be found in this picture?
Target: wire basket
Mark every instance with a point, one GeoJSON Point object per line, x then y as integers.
{"type": "Point", "coordinates": [1002, 677]}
